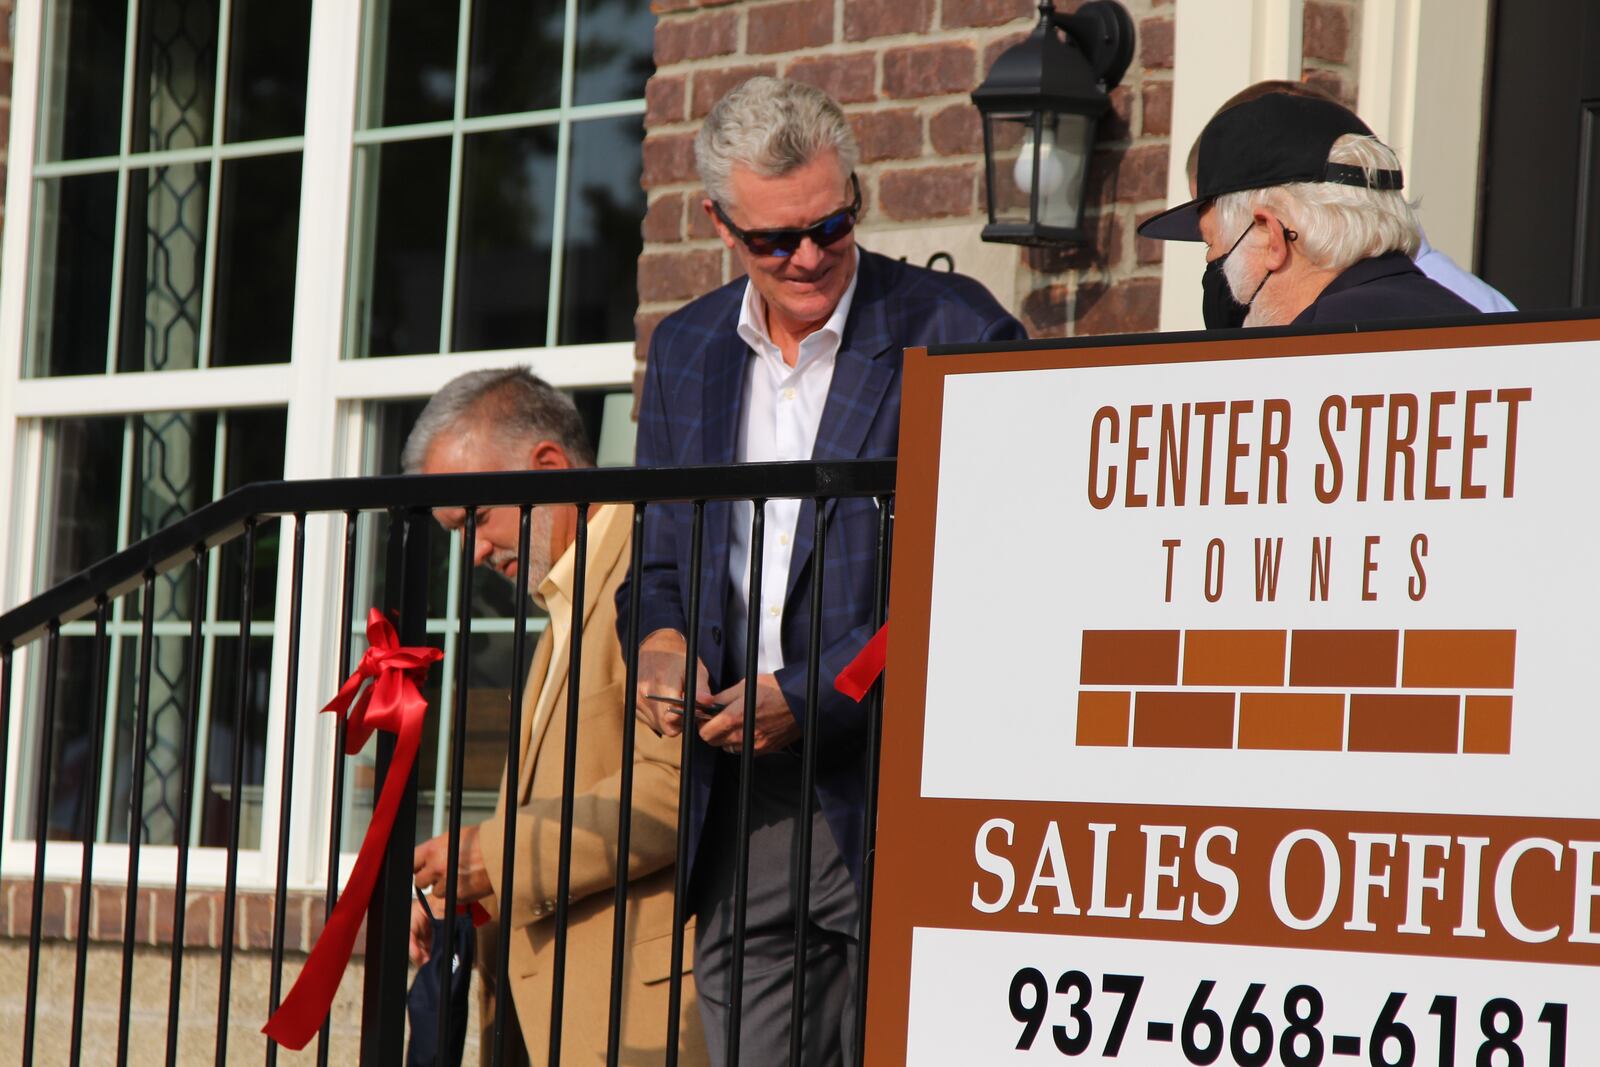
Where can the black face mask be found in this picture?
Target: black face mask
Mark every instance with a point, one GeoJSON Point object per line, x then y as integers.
{"type": "Point", "coordinates": [1219, 307]}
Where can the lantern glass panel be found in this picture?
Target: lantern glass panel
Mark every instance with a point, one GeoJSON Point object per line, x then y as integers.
{"type": "Point", "coordinates": [1009, 180]}
{"type": "Point", "coordinates": [1063, 163]}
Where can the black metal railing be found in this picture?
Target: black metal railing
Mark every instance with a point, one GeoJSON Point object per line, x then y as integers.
{"type": "Point", "coordinates": [34, 628]}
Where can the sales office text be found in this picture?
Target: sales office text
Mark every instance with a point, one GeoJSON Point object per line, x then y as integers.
{"type": "Point", "coordinates": [1465, 886]}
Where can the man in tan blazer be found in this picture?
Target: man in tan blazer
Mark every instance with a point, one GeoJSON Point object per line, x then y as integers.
{"type": "Point", "coordinates": [510, 420]}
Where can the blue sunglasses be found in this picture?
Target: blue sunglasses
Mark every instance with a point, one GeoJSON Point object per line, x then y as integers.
{"type": "Point", "coordinates": [781, 243]}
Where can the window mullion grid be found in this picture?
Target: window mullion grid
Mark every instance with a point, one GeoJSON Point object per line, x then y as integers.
{"type": "Point", "coordinates": [452, 225]}
{"type": "Point", "coordinates": [200, 718]}
{"type": "Point", "coordinates": [115, 629]}
{"type": "Point", "coordinates": [558, 216]}
{"type": "Point", "coordinates": [452, 656]}
{"type": "Point", "coordinates": [219, 112]}
{"type": "Point", "coordinates": [119, 235]}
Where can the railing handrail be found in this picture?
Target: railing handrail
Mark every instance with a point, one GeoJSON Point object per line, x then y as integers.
{"type": "Point", "coordinates": [223, 519]}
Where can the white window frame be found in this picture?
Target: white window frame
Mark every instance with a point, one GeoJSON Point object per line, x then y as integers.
{"type": "Point", "coordinates": [324, 395]}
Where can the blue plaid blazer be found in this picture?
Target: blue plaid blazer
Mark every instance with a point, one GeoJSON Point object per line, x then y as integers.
{"type": "Point", "coordinates": [689, 414]}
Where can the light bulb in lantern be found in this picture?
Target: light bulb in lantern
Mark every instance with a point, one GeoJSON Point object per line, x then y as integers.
{"type": "Point", "coordinates": [1052, 171]}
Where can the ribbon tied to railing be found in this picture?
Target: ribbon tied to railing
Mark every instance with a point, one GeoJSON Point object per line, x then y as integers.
{"type": "Point", "coordinates": [859, 674]}
{"type": "Point", "coordinates": [394, 704]}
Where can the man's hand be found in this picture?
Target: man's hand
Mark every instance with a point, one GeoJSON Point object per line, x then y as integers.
{"type": "Point", "coordinates": [422, 929]}
{"type": "Point", "coordinates": [776, 726]}
{"type": "Point", "coordinates": [661, 657]}
{"type": "Point", "coordinates": [430, 864]}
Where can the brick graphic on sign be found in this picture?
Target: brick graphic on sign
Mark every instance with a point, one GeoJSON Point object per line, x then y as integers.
{"type": "Point", "coordinates": [1299, 690]}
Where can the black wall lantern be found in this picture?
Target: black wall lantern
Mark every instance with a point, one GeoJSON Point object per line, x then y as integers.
{"type": "Point", "coordinates": [1041, 104]}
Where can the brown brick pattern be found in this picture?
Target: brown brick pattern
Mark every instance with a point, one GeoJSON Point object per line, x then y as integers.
{"type": "Point", "coordinates": [303, 916]}
{"type": "Point", "coordinates": [1429, 691]}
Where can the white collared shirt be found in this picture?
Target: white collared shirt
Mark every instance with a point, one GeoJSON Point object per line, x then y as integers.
{"type": "Point", "coordinates": [779, 419]}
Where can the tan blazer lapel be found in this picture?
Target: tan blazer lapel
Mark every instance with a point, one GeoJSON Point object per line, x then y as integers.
{"type": "Point", "coordinates": [532, 710]}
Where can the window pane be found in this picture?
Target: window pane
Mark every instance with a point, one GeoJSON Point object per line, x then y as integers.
{"type": "Point", "coordinates": [270, 41]}
{"type": "Point", "coordinates": [255, 442]}
{"type": "Point", "coordinates": [69, 814]}
{"type": "Point", "coordinates": [412, 64]}
{"type": "Point", "coordinates": [83, 116]}
{"type": "Point", "coordinates": [164, 268]}
{"type": "Point", "coordinates": [76, 228]}
{"type": "Point", "coordinates": [507, 214]}
{"type": "Point", "coordinates": [601, 251]}
{"type": "Point", "coordinates": [516, 58]}
{"type": "Point", "coordinates": [82, 495]}
{"type": "Point", "coordinates": [615, 54]}
{"type": "Point", "coordinates": [400, 299]}
{"type": "Point", "coordinates": [216, 799]}
{"type": "Point", "coordinates": [177, 74]}
{"type": "Point", "coordinates": [257, 244]}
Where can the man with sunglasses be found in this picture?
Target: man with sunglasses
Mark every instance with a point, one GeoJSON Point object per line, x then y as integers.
{"type": "Point", "coordinates": [800, 359]}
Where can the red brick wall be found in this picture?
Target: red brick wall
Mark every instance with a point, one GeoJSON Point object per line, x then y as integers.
{"type": "Point", "coordinates": [1331, 45]}
{"type": "Point", "coordinates": [903, 70]}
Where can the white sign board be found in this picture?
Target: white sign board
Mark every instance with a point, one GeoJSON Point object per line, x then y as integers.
{"type": "Point", "coordinates": [1241, 705]}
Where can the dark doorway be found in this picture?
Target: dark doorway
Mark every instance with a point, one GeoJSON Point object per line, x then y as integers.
{"type": "Point", "coordinates": [1540, 239]}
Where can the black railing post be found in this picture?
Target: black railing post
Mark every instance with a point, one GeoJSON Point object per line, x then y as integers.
{"type": "Point", "coordinates": [383, 1032]}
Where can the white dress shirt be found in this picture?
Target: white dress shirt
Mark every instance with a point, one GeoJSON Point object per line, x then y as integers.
{"type": "Point", "coordinates": [1469, 287]}
{"type": "Point", "coordinates": [779, 418]}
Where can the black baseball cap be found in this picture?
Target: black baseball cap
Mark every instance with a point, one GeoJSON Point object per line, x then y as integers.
{"type": "Point", "coordinates": [1272, 140]}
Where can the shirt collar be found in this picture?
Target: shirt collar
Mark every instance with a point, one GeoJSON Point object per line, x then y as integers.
{"type": "Point", "coordinates": [557, 585]}
{"type": "Point", "coordinates": [752, 326]}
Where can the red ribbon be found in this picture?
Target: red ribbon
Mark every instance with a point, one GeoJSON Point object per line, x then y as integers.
{"type": "Point", "coordinates": [393, 704]}
{"type": "Point", "coordinates": [859, 674]}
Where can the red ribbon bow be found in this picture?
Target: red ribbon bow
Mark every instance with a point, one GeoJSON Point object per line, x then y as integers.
{"type": "Point", "coordinates": [394, 704]}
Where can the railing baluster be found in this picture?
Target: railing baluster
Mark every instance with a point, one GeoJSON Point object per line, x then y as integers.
{"type": "Point", "coordinates": [191, 735]}
{"type": "Point", "coordinates": [569, 776]}
{"type": "Point", "coordinates": [747, 759]}
{"type": "Point", "coordinates": [869, 835]}
{"type": "Point", "coordinates": [619, 904]}
{"type": "Point", "coordinates": [808, 775]}
{"type": "Point", "coordinates": [383, 1035]}
{"type": "Point", "coordinates": [141, 728]}
{"type": "Point", "coordinates": [91, 805]}
{"type": "Point", "coordinates": [691, 679]}
{"type": "Point", "coordinates": [336, 816]}
{"type": "Point", "coordinates": [508, 845]}
{"type": "Point", "coordinates": [230, 893]}
{"type": "Point", "coordinates": [41, 830]}
{"type": "Point", "coordinates": [280, 901]}
{"type": "Point", "coordinates": [458, 756]}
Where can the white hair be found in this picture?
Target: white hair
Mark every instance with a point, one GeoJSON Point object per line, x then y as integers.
{"type": "Point", "coordinates": [772, 126]}
{"type": "Point", "coordinates": [1338, 225]}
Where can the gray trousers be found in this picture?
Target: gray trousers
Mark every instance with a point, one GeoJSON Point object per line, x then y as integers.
{"type": "Point", "coordinates": [829, 1016]}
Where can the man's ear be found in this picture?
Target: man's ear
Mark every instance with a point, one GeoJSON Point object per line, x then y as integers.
{"type": "Point", "coordinates": [548, 455]}
{"type": "Point", "coordinates": [1276, 255]}
{"type": "Point", "coordinates": [722, 230]}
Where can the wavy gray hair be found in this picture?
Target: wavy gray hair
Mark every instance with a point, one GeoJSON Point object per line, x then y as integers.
{"type": "Point", "coordinates": [772, 126]}
{"type": "Point", "coordinates": [1339, 225]}
{"type": "Point", "coordinates": [512, 404]}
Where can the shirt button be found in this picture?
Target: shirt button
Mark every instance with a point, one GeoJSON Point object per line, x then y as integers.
{"type": "Point", "coordinates": [788, 394]}
{"type": "Point", "coordinates": [783, 539]}
{"type": "Point", "coordinates": [775, 611]}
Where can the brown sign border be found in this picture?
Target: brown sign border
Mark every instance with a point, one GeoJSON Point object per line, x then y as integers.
{"type": "Point", "coordinates": [903, 814]}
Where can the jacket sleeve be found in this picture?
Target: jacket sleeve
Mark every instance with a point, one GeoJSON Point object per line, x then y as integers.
{"type": "Point", "coordinates": [661, 586]}
{"type": "Point", "coordinates": [652, 846]}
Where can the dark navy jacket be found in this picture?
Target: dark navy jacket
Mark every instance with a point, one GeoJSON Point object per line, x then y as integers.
{"type": "Point", "coordinates": [689, 413]}
{"type": "Point", "coordinates": [1389, 286]}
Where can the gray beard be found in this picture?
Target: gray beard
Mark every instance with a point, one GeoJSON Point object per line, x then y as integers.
{"type": "Point", "coordinates": [1265, 308]}
{"type": "Point", "coordinates": [540, 522]}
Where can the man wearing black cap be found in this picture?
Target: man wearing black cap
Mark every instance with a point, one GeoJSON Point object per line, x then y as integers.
{"type": "Point", "coordinates": [1304, 222]}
